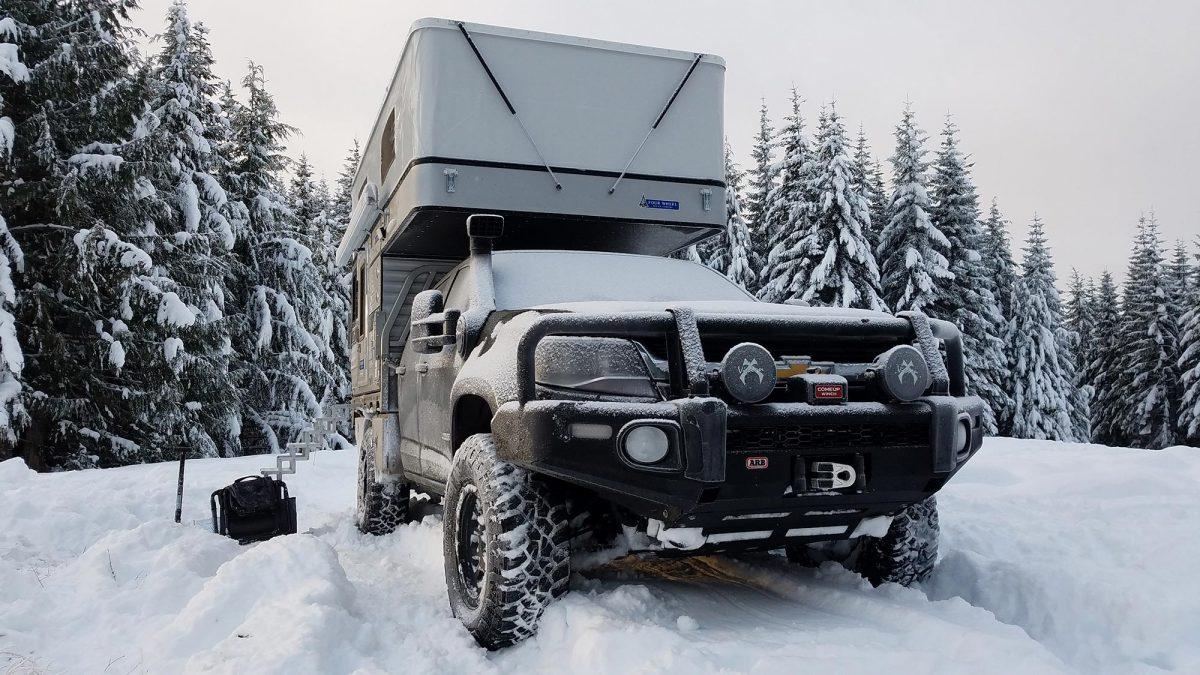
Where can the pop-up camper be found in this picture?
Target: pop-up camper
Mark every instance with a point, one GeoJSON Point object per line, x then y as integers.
{"type": "Point", "coordinates": [579, 143]}
{"type": "Point", "coordinates": [525, 352]}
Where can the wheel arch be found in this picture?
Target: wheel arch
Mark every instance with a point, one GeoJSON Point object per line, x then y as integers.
{"type": "Point", "coordinates": [472, 415]}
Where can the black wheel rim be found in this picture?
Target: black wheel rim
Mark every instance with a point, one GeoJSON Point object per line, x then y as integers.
{"type": "Point", "coordinates": [470, 532]}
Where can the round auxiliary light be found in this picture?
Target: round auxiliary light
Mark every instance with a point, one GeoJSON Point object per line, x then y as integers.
{"type": "Point", "coordinates": [646, 444]}
{"type": "Point", "coordinates": [748, 372]}
{"type": "Point", "coordinates": [903, 373]}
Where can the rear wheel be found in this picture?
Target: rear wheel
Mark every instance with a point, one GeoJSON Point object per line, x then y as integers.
{"type": "Point", "coordinates": [505, 545]}
{"type": "Point", "coordinates": [382, 507]}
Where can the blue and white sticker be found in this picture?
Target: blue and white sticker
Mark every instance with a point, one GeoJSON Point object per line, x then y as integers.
{"type": "Point", "coordinates": [659, 204]}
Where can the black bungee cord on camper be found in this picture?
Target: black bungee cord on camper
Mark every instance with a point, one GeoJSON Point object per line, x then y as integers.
{"type": "Point", "coordinates": [508, 103]}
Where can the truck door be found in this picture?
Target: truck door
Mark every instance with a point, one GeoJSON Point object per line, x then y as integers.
{"type": "Point", "coordinates": [437, 380]}
{"type": "Point", "coordinates": [407, 377]}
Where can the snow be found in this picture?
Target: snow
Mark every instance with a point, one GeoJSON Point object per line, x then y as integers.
{"type": "Point", "coordinates": [1055, 558]}
{"type": "Point", "coordinates": [116, 354]}
{"type": "Point", "coordinates": [88, 162]}
{"type": "Point", "coordinates": [171, 348]}
{"type": "Point", "coordinates": [173, 311]}
{"type": "Point", "coordinates": [7, 133]}
{"type": "Point", "coordinates": [10, 58]}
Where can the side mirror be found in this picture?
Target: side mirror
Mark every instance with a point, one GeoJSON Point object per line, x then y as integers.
{"type": "Point", "coordinates": [432, 327]}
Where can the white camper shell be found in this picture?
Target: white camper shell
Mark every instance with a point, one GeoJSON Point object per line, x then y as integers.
{"type": "Point", "coordinates": [579, 143]}
{"type": "Point", "coordinates": [447, 143]}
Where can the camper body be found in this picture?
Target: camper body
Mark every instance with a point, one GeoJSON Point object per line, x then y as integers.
{"type": "Point", "coordinates": [524, 352]}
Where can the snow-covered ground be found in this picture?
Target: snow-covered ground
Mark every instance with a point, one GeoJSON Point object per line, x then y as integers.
{"type": "Point", "coordinates": [1055, 558]}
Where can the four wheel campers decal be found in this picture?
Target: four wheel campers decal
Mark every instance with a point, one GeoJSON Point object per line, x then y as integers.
{"type": "Point", "coordinates": [658, 204]}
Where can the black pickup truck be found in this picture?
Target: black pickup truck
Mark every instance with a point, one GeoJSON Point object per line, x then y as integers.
{"type": "Point", "coordinates": [543, 394]}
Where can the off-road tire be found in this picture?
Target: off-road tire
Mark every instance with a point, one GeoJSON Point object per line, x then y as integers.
{"type": "Point", "coordinates": [516, 552]}
{"type": "Point", "coordinates": [907, 553]}
{"type": "Point", "coordinates": [382, 507]}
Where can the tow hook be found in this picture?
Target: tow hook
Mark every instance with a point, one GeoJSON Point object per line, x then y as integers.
{"type": "Point", "coordinates": [831, 476]}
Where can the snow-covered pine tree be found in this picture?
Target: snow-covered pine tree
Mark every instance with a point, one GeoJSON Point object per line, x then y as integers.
{"type": "Point", "coordinates": [714, 251]}
{"type": "Point", "coordinates": [912, 252]}
{"type": "Point", "coordinates": [970, 301]}
{"type": "Point", "coordinates": [1150, 337]}
{"type": "Point", "coordinates": [786, 209]}
{"type": "Point", "coordinates": [1078, 338]}
{"type": "Point", "coordinates": [1180, 274]}
{"type": "Point", "coordinates": [1078, 308]}
{"type": "Point", "coordinates": [999, 266]}
{"type": "Point", "coordinates": [1189, 361]}
{"type": "Point", "coordinates": [75, 206]}
{"type": "Point", "coordinates": [998, 259]}
{"type": "Point", "coordinates": [760, 178]}
{"type": "Point", "coordinates": [337, 278]}
{"type": "Point", "coordinates": [783, 274]}
{"type": "Point", "coordinates": [868, 179]}
{"type": "Point", "coordinates": [737, 235]}
{"type": "Point", "coordinates": [1106, 361]}
{"type": "Point", "coordinates": [275, 287]}
{"type": "Point", "coordinates": [13, 75]}
{"type": "Point", "coordinates": [1042, 378]}
{"type": "Point", "coordinates": [831, 262]}
{"type": "Point", "coordinates": [326, 318]}
{"type": "Point", "coordinates": [184, 363]}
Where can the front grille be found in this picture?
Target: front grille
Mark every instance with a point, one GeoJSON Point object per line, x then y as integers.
{"type": "Point", "coordinates": [825, 436]}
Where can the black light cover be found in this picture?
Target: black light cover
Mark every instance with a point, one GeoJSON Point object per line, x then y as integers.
{"type": "Point", "coordinates": [902, 372]}
{"type": "Point", "coordinates": [748, 372]}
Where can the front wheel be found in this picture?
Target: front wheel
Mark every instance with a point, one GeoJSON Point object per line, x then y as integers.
{"type": "Point", "coordinates": [504, 543]}
{"type": "Point", "coordinates": [905, 555]}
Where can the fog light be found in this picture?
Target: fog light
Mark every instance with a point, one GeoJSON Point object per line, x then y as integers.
{"type": "Point", "coordinates": [962, 435]}
{"type": "Point", "coordinates": [646, 444]}
{"type": "Point", "coordinates": [596, 432]}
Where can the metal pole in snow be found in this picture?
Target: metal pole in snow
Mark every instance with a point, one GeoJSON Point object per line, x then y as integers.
{"type": "Point", "coordinates": [179, 487]}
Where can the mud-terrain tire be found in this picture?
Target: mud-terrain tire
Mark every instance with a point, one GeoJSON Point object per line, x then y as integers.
{"type": "Point", "coordinates": [505, 544]}
{"type": "Point", "coordinates": [382, 507]}
{"type": "Point", "coordinates": [907, 553]}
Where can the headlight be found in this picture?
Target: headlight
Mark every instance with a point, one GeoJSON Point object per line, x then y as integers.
{"type": "Point", "coordinates": [646, 444]}
{"type": "Point", "coordinates": [602, 366]}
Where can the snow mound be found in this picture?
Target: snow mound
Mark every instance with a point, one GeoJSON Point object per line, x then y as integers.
{"type": "Point", "coordinates": [1055, 558]}
{"type": "Point", "coordinates": [285, 602]}
{"type": "Point", "coordinates": [13, 471]}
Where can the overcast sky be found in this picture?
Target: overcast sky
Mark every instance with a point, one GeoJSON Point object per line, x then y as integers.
{"type": "Point", "coordinates": [1085, 112]}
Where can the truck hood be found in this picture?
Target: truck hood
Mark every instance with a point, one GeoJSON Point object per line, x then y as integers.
{"type": "Point", "coordinates": [744, 308]}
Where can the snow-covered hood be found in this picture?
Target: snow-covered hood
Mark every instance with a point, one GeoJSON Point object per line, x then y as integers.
{"type": "Point", "coordinates": [744, 308]}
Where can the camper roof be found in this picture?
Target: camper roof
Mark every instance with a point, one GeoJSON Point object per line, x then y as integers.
{"type": "Point", "coordinates": [484, 118]}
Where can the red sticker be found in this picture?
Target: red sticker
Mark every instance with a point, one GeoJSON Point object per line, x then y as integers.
{"type": "Point", "coordinates": [829, 391]}
{"type": "Point", "coordinates": [756, 462]}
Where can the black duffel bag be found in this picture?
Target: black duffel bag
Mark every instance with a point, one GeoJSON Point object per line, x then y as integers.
{"type": "Point", "coordinates": [253, 508]}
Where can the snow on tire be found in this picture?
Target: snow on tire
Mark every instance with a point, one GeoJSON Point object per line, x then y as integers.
{"type": "Point", "coordinates": [505, 545]}
{"type": "Point", "coordinates": [382, 507]}
{"type": "Point", "coordinates": [907, 553]}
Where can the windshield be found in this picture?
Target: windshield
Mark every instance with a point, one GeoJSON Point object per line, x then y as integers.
{"type": "Point", "coordinates": [532, 278]}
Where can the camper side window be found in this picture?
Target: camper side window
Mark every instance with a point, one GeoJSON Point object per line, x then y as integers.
{"type": "Point", "coordinates": [354, 290]}
{"type": "Point", "coordinates": [360, 300]}
{"type": "Point", "coordinates": [387, 147]}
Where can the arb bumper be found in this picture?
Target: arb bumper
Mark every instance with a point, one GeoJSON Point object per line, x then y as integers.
{"type": "Point", "coordinates": [738, 475]}
{"type": "Point", "coordinates": [788, 470]}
